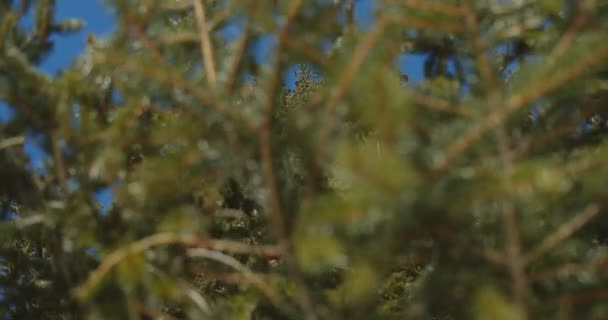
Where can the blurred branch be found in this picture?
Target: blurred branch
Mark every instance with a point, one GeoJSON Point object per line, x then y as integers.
{"type": "Point", "coordinates": [580, 297]}
{"type": "Point", "coordinates": [11, 142]}
{"type": "Point", "coordinates": [59, 165]}
{"type": "Point", "coordinates": [140, 34]}
{"type": "Point", "coordinates": [265, 135]}
{"type": "Point", "coordinates": [348, 76]}
{"type": "Point", "coordinates": [236, 265]}
{"type": "Point", "coordinates": [205, 42]}
{"type": "Point", "coordinates": [239, 53]}
{"type": "Point", "coordinates": [513, 249]}
{"type": "Point", "coordinates": [567, 39]}
{"type": "Point", "coordinates": [214, 22]}
{"type": "Point", "coordinates": [563, 232]}
{"type": "Point", "coordinates": [516, 102]}
{"type": "Point", "coordinates": [194, 241]}
{"type": "Point", "coordinates": [515, 260]}
{"type": "Point", "coordinates": [197, 298]}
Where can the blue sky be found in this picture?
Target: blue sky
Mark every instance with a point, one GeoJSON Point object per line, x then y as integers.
{"type": "Point", "coordinates": [100, 21]}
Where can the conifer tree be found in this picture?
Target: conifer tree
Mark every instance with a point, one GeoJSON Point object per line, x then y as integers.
{"type": "Point", "coordinates": [476, 192]}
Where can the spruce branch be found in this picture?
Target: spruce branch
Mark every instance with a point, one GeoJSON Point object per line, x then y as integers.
{"type": "Point", "coordinates": [239, 53]}
{"type": "Point", "coordinates": [205, 42]}
{"type": "Point", "coordinates": [516, 102]}
{"type": "Point", "coordinates": [348, 76]}
{"type": "Point", "coordinates": [247, 274]}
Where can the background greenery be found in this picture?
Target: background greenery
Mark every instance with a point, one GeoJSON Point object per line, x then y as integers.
{"type": "Point", "coordinates": [477, 193]}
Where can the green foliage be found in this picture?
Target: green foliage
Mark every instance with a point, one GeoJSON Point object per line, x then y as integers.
{"type": "Point", "coordinates": [476, 192]}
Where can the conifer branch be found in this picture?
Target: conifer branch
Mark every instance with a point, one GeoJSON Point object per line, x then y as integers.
{"type": "Point", "coordinates": [205, 42]}
{"type": "Point", "coordinates": [515, 260]}
{"type": "Point", "coordinates": [488, 78]}
{"type": "Point", "coordinates": [600, 264]}
{"type": "Point", "coordinates": [265, 134]}
{"type": "Point", "coordinates": [239, 53]}
{"type": "Point", "coordinates": [11, 142]}
{"type": "Point", "coordinates": [159, 239]}
{"type": "Point", "coordinates": [242, 269]}
{"type": "Point", "coordinates": [515, 103]}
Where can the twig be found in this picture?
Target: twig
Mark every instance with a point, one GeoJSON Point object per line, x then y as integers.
{"type": "Point", "coordinates": [196, 297]}
{"type": "Point", "coordinates": [13, 141]}
{"type": "Point", "coordinates": [563, 232]}
{"type": "Point", "coordinates": [45, 22]}
{"type": "Point", "coordinates": [570, 35]}
{"type": "Point", "coordinates": [236, 265]}
{"type": "Point", "coordinates": [205, 42]}
{"type": "Point", "coordinates": [97, 275]}
{"type": "Point", "coordinates": [485, 67]}
{"type": "Point", "coordinates": [348, 76]}
{"type": "Point", "coordinates": [515, 260]}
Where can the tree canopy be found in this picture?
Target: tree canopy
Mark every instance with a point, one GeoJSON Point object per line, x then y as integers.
{"type": "Point", "coordinates": [476, 192]}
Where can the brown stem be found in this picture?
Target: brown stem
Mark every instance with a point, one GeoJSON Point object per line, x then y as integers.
{"type": "Point", "coordinates": [205, 42]}
{"type": "Point", "coordinates": [515, 260]}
